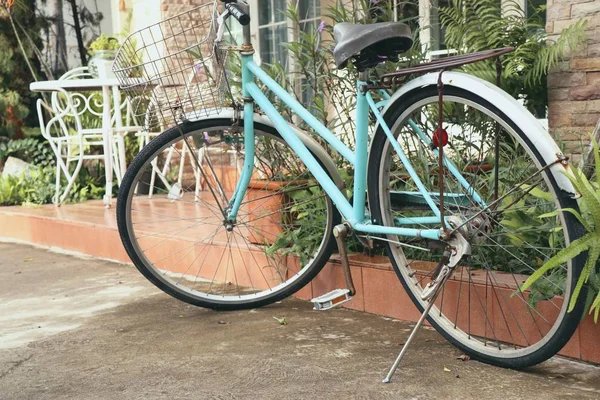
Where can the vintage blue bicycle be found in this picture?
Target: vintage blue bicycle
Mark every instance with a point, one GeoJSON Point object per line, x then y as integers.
{"type": "Point", "coordinates": [233, 206]}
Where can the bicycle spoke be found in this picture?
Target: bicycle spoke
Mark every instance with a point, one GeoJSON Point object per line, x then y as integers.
{"type": "Point", "coordinates": [283, 221]}
{"type": "Point", "coordinates": [511, 236]}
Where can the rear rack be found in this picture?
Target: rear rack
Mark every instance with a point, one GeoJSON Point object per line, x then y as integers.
{"type": "Point", "coordinates": [442, 64]}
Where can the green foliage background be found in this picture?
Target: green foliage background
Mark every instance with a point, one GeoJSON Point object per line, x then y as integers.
{"type": "Point", "coordinates": [17, 103]}
{"type": "Point", "coordinates": [475, 25]}
{"type": "Point", "coordinates": [589, 216]}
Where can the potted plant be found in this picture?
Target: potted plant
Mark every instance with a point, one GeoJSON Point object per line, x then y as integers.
{"type": "Point", "coordinates": [103, 51]}
{"type": "Point", "coordinates": [270, 204]}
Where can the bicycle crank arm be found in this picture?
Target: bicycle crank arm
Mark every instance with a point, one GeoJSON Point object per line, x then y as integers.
{"type": "Point", "coordinates": [338, 296]}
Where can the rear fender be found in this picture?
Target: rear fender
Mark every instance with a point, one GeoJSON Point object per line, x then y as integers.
{"type": "Point", "coordinates": [535, 132]}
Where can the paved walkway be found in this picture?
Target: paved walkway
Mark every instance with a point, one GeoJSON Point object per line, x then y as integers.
{"type": "Point", "coordinates": [87, 329]}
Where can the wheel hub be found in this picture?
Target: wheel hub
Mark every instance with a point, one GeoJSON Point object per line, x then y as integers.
{"type": "Point", "coordinates": [228, 225]}
{"type": "Point", "coordinates": [474, 230]}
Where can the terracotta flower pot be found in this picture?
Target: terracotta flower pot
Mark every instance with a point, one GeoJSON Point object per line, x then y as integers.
{"type": "Point", "coordinates": [264, 206]}
{"type": "Point", "coordinates": [265, 203]}
{"type": "Point", "coordinates": [478, 168]}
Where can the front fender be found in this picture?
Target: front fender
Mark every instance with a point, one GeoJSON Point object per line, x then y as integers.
{"type": "Point", "coordinates": [535, 132]}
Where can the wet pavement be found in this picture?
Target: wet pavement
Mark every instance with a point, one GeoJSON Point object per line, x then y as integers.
{"type": "Point", "coordinates": [79, 328]}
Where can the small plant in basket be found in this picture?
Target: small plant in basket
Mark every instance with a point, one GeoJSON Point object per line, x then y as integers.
{"type": "Point", "coordinates": [103, 43]}
{"type": "Point", "coordinates": [103, 51]}
{"type": "Point", "coordinates": [210, 71]}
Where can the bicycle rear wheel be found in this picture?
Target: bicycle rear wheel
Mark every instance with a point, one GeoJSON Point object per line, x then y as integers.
{"type": "Point", "coordinates": [178, 236]}
{"type": "Point", "coordinates": [481, 309]}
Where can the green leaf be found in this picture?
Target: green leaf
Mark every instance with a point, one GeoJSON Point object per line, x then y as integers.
{"type": "Point", "coordinates": [577, 215]}
{"type": "Point", "coordinates": [589, 197]}
{"type": "Point", "coordinates": [572, 211]}
{"type": "Point", "coordinates": [589, 301]}
{"type": "Point", "coordinates": [539, 193]}
{"type": "Point", "coordinates": [195, 52]}
{"type": "Point", "coordinates": [594, 291]}
{"type": "Point", "coordinates": [596, 159]}
{"type": "Point", "coordinates": [590, 263]}
{"type": "Point", "coordinates": [576, 247]}
{"type": "Point", "coordinates": [549, 215]}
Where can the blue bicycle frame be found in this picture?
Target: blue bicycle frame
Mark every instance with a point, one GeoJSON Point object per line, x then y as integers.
{"type": "Point", "coordinates": [353, 213]}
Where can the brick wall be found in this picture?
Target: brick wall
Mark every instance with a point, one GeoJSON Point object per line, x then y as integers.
{"type": "Point", "coordinates": [574, 85]}
{"type": "Point", "coordinates": [174, 7]}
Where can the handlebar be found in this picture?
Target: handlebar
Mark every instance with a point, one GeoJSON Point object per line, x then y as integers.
{"type": "Point", "coordinates": [237, 13]}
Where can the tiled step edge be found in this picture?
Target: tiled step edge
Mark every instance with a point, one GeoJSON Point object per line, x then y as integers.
{"type": "Point", "coordinates": [378, 289]}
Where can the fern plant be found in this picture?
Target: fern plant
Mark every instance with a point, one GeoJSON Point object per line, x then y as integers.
{"type": "Point", "coordinates": [589, 217]}
{"type": "Point", "coordinates": [475, 25]}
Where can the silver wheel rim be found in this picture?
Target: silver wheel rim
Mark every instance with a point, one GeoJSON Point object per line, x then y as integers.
{"type": "Point", "coordinates": [442, 321]}
{"type": "Point", "coordinates": [217, 298]}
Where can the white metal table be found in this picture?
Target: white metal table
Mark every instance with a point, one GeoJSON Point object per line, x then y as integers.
{"type": "Point", "coordinates": [106, 85]}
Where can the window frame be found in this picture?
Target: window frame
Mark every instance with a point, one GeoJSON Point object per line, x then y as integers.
{"type": "Point", "coordinates": [425, 22]}
{"type": "Point", "coordinates": [292, 30]}
{"type": "Point", "coordinates": [258, 28]}
{"type": "Point", "coordinates": [292, 35]}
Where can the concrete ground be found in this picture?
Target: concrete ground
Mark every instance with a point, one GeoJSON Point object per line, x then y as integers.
{"type": "Point", "coordinates": [88, 329]}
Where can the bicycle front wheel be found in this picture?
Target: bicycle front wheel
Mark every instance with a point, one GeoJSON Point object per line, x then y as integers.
{"type": "Point", "coordinates": [507, 205]}
{"type": "Point", "coordinates": [171, 215]}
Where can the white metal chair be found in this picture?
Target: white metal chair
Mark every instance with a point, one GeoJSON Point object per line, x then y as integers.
{"type": "Point", "coordinates": [123, 120]}
{"type": "Point", "coordinates": [74, 131]}
{"type": "Point", "coordinates": [174, 188]}
{"type": "Point", "coordinates": [67, 138]}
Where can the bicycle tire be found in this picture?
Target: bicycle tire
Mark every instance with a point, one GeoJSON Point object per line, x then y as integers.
{"type": "Point", "coordinates": [564, 328]}
{"type": "Point", "coordinates": [141, 261]}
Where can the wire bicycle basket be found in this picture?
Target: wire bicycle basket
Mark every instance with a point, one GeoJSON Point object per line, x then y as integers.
{"type": "Point", "coordinates": [174, 71]}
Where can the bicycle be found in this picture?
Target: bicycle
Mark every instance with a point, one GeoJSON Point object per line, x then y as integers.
{"type": "Point", "coordinates": [460, 185]}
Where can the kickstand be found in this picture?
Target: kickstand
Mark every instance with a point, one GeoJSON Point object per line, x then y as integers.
{"type": "Point", "coordinates": [388, 378]}
{"type": "Point", "coordinates": [458, 247]}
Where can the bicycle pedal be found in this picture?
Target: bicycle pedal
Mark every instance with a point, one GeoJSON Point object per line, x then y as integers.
{"type": "Point", "coordinates": [332, 299]}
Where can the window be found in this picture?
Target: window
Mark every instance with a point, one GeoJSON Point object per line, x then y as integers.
{"type": "Point", "coordinates": [534, 5]}
{"type": "Point", "coordinates": [438, 32]}
{"type": "Point", "coordinates": [275, 29]}
{"type": "Point", "coordinates": [272, 31]}
{"type": "Point", "coordinates": [432, 34]}
{"type": "Point", "coordinates": [309, 12]}
{"type": "Point", "coordinates": [309, 15]}
{"type": "Point", "coordinates": [407, 11]}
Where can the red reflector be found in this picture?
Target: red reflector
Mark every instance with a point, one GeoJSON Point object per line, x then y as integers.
{"type": "Point", "coordinates": [440, 138]}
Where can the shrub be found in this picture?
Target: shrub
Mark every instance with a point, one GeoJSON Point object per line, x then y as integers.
{"type": "Point", "coordinates": [37, 187]}
{"type": "Point", "coordinates": [31, 150]}
{"type": "Point", "coordinates": [589, 216]}
{"type": "Point", "coordinates": [475, 25]}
